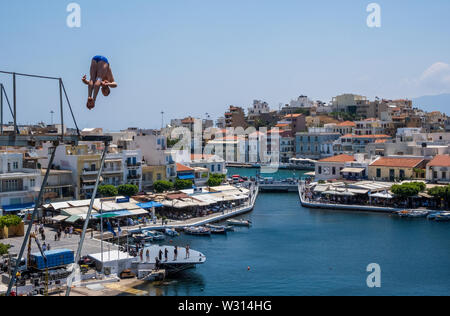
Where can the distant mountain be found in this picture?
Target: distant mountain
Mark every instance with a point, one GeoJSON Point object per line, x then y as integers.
{"type": "Point", "coordinates": [432, 103]}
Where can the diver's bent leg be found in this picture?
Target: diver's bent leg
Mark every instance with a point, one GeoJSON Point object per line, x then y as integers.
{"type": "Point", "coordinates": [97, 86]}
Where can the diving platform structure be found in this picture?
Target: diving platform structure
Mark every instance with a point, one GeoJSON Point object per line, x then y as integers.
{"type": "Point", "coordinates": [15, 139]}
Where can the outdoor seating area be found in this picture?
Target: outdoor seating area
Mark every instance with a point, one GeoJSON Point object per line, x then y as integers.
{"type": "Point", "coordinates": [366, 193]}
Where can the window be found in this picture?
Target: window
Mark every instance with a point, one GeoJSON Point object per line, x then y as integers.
{"type": "Point", "coordinates": [334, 171]}
{"type": "Point", "coordinates": [219, 168]}
{"type": "Point", "coordinates": [444, 175]}
{"type": "Point", "coordinates": [213, 168]}
{"type": "Point", "coordinates": [159, 177]}
{"type": "Point", "coordinates": [402, 174]}
{"type": "Point", "coordinates": [15, 165]}
{"type": "Point", "coordinates": [320, 170]}
{"type": "Point", "coordinates": [435, 175]}
{"type": "Point", "coordinates": [32, 183]}
{"type": "Point", "coordinates": [378, 173]}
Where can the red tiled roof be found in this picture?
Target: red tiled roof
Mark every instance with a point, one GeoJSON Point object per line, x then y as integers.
{"type": "Point", "coordinates": [183, 168]}
{"type": "Point", "coordinates": [293, 115]}
{"type": "Point", "coordinates": [339, 158]}
{"type": "Point", "coordinates": [347, 123]}
{"type": "Point", "coordinates": [440, 161]}
{"type": "Point", "coordinates": [397, 162]}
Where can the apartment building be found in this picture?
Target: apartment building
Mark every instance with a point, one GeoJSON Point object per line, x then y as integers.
{"type": "Point", "coordinates": [352, 143]}
{"type": "Point", "coordinates": [235, 117]}
{"type": "Point", "coordinates": [287, 146]}
{"type": "Point", "coordinates": [19, 184]}
{"type": "Point", "coordinates": [315, 145]}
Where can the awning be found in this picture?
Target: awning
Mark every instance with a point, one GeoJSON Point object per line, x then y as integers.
{"type": "Point", "coordinates": [149, 205]}
{"type": "Point", "coordinates": [106, 215]}
{"type": "Point", "coordinates": [382, 195]}
{"type": "Point", "coordinates": [59, 218]}
{"type": "Point", "coordinates": [17, 207]}
{"type": "Point", "coordinates": [73, 219]}
{"type": "Point", "coordinates": [186, 177]}
{"type": "Point", "coordinates": [339, 193]}
{"type": "Point", "coordinates": [353, 170]}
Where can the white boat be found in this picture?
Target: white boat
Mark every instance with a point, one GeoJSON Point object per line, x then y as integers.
{"type": "Point", "coordinates": [197, 231]}
{"type": "Point", "coordinates": [412, 213]}
{"type": "Point", "coordinates": [155, 235]}
{"type": "Point", "coordinates": [443, 217]}
{"type": "Point", "coordinates": [172, 232]}
{"type": "Point", "coordinates": [242, 223]}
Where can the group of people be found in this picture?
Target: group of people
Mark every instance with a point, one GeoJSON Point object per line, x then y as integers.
{"type": "Point", "coordinates": [164, 254]}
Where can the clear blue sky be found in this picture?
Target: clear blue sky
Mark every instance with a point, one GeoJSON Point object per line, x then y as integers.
{"type": "Point", "coordinates": [198, 56]}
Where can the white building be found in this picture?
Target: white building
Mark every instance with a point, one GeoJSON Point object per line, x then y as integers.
{"type": "Point", "coordinates": [259, 107]}
{"type": "Point", "coordinates": [19, 186]}
{"type": "Point", "coordinates": [302, 102]}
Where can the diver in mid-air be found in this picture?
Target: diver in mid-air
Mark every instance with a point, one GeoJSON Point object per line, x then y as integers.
{"type": "Point", "coordinates": [101, 77]}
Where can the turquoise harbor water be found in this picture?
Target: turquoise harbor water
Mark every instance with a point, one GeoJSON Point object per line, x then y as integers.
{"type": "Point", "coordinates": [296, 251]}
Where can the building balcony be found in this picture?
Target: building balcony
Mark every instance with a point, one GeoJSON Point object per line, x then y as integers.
{"type": "Point", "coordinates": [89, 172]}
{"type": "Point", "coordinates": [134, 165]}
{"type": "Point", "coordinates": [112, 170]}
{"type": "Point", "coordinates": [136, 177]}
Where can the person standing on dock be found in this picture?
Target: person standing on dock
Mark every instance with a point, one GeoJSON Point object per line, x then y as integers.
{"type": "Point", "coordinates": [160, 255]}
{"type": "Point", "coordinates": [141, 254]}
{"type": "Point", "coordinates": [175, 252]}
{"type": "Point", "coordinates": [166, 254]}
{"type": "Point", "coordinates": [188, 255]}
{"type": "Point", "coordinates": [148, 255]}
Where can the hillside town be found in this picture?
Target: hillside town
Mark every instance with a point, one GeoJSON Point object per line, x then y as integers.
{"type": "Point", "coordinates": [349, 138]}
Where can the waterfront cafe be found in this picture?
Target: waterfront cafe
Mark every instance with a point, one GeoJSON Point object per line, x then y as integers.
{"type": "Point", "coordinates": [189, 204]}
{"type": "Point", "coordinates": [364, 192]}
{"type": "Point", "coordinates": [74, 213]}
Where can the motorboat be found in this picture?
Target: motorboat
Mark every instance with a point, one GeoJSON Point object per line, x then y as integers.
{"type": "Point", "coordinates": [432, 216]}
{"type": "Point", "coordinates": [443, 217]}
{"type": "Point", "coordinates": [156, 236]}
{"type": "Point", "coordinates": [412, 213]}
{"type": "Point", "coordinates": [217, 230]}
{"type": "Point", "coordinates": [241, 223]}
{"type": "Point", "coordinates": [172, 232]}
{"type": "Point", "coordinates": [197, 231]}
{"type": "Point", "coordinates": [143, 238]}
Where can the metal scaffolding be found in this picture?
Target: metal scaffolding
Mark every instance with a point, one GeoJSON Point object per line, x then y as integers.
{"type": "Point", "coordinates": [17, 140]}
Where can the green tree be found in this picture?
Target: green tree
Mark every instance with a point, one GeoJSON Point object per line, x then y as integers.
{"type": "Point", "coordinates": [407, 190]}
{"type": "Point", "coordinates": [162, 186]}
{"type": "Point", "coordinates": [4, 249]}
{"type": "Point", "coordinates": [183, 184]}
{"type": "Point", "coordinates": [10, 220]}
{"type": "Point", "coordinates": [107, 191]}
{"type": "Point", "coordinates": [216, 179]}
{"type": "Point", "coordinates": [128, 190]}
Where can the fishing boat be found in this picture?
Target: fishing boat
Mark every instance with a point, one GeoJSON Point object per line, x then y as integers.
{"type": "Point", "coordinates": [197, 231]}
{"type": "Point", "coordinates": [443, 217]}
{"type": "Point", "coordinates": [242, 223]}
{"type": "Point", "coordinates": [155, 235]}
{"type": "Point", "coordinates": [172, 232]}
{"type": "Point", "coordinates": [217, 230]}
